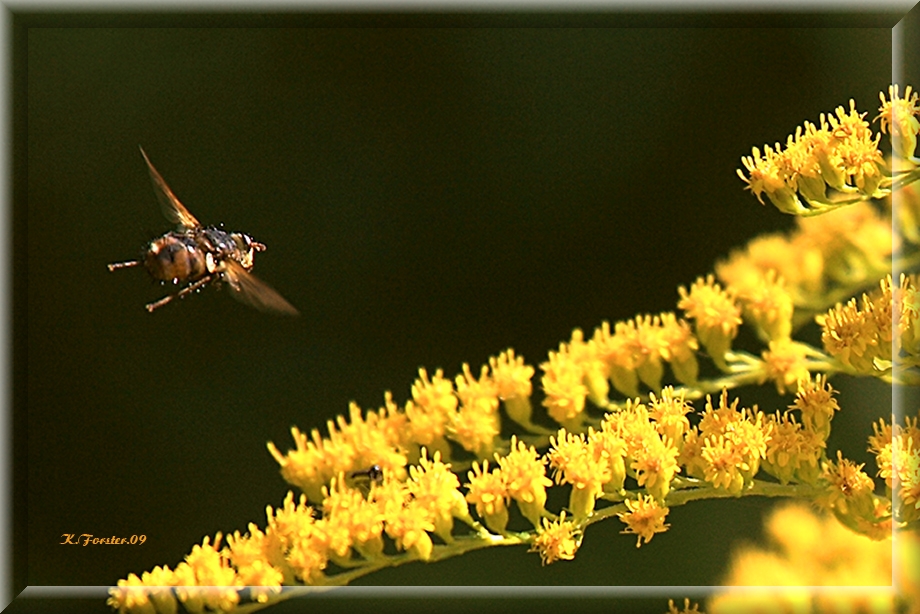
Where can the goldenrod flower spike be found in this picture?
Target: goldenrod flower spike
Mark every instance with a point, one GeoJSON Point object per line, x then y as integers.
{"type": "Point", "coordinates": [436, 395]}
{"type": "Point", "coordinates": [406, 521]}
{"type": "Point", "coordinates": [148, 594]}
{"type": "Point", "coordinates": [351, 522]}
{"type": "Point", "coordinates": [679, 348]}
{"type": "Point", "coordinates": [205, 567]}
{"type": "Point", "coordinates": [789, 448]}
{"type": "Point", "coordinates": [767, 175]}
{"type": "Point", "coordinates": [840, 153]}
{"type": "Point", "coordinates": [381, 488]}
{"type": "Point", "coordinates": [611, 445]}
{"type": "Point", "coordinates": [669, 410]}
{"type": "Point", "coordinates": [766, 303]}
{"type": "Point", "coordinates": [727, 446]}
{"type": "Point", "coordinates": [907, 462]}
{"type": "Point", "coordinates": [906, 308]}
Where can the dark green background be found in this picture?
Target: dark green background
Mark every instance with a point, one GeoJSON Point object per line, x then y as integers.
{"type": "Point", "coordinates": [429, 196]}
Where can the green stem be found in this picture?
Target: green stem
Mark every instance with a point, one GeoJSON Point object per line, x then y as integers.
{"type": "Point", "coordinates": [905, 179]}
{"type": "Point", "coordinates": [682, 496]}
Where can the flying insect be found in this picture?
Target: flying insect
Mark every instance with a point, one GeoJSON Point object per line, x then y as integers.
{"type": "Point", "coordinates": [194, 256]}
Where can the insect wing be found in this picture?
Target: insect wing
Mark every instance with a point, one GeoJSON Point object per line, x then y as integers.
{"type": "Point", "coordinates": [174, 210]}
{"type": "Point", "coordinates": [251, 290]}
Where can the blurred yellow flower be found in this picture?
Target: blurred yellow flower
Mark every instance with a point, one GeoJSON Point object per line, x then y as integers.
{"type": "Point", "coordinates": [786, 363]}
{"type": "Point", "coordinates": [809, 550]}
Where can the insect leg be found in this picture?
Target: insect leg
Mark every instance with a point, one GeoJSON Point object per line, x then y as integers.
{"type": "Point", "coordinates": [190, 288]}
{"type": "Point", "coordinates": [123, 265]}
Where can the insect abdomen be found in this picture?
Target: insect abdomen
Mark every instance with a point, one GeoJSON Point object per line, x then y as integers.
{"type": "Point", "coordinates": [175, 258]}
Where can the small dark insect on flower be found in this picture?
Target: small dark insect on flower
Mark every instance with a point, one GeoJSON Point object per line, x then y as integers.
{"type": "Point", "coordinates": [194, 256]}
{"type": "Point", "coordinates": [374, 473]}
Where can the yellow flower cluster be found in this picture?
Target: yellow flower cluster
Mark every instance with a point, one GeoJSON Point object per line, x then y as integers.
{"type": "Point", "coordinates": [795, 448]}
{"type": "Point", "coordinates": [392, 437]}
{"type": "Point", "coordinates": [524, 475]}
{"type": "Point", "coordinates": [489, 493]}
{"type": "Point", "coordinates": [766, 303]}
{"type": "Point", "coordinates": [637, 441]}
{"type": "Point", "coordinates": [715, 313]}
{"type": "Point", "coordinates": [849, 494]}
{"type": "Point", "coordinates": [585, 467]}
{"type": "Point", "coordinates": [298, 546]}
{"type": "Point", "coordinates": [352, 445]}
{"type": "Point", "coordinates": [726, 448]}
{"type": "Point", "coordinates": [840, 153]}
{"type": "Point", "coordinates": [477, 423]}
{"type": "Point", "coordinates": [651, 448]}
{"type": "Point", "coordinates": [840, 249]}
{"type": "Point", "coordinates": [644, 518]}
{"type": "Point", "coordinates": [208, 580]}
{"type": "Point", "coordinates": [786, 364]}
{"type": "Point", "coordinates": [380, 484]}
{"type": "Point", "coordinates": [897, 454]}
{"type": "Point", "coordinates": [634, 351]}
{"type": "Point", "coordinates": [557, 539]}
{"type": "Point", "coordinates": [899, 117]}
{"type": "Point", "coordinates": [815, 400]}
{"type": "Point", "coordinates": [520, 476]}
{"type": "Point", "coordinates": [808, 550]}
{"type": "Point", "coordinates": [512, 380]}
{"type": "Point", "coordinates": [863, 336]}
